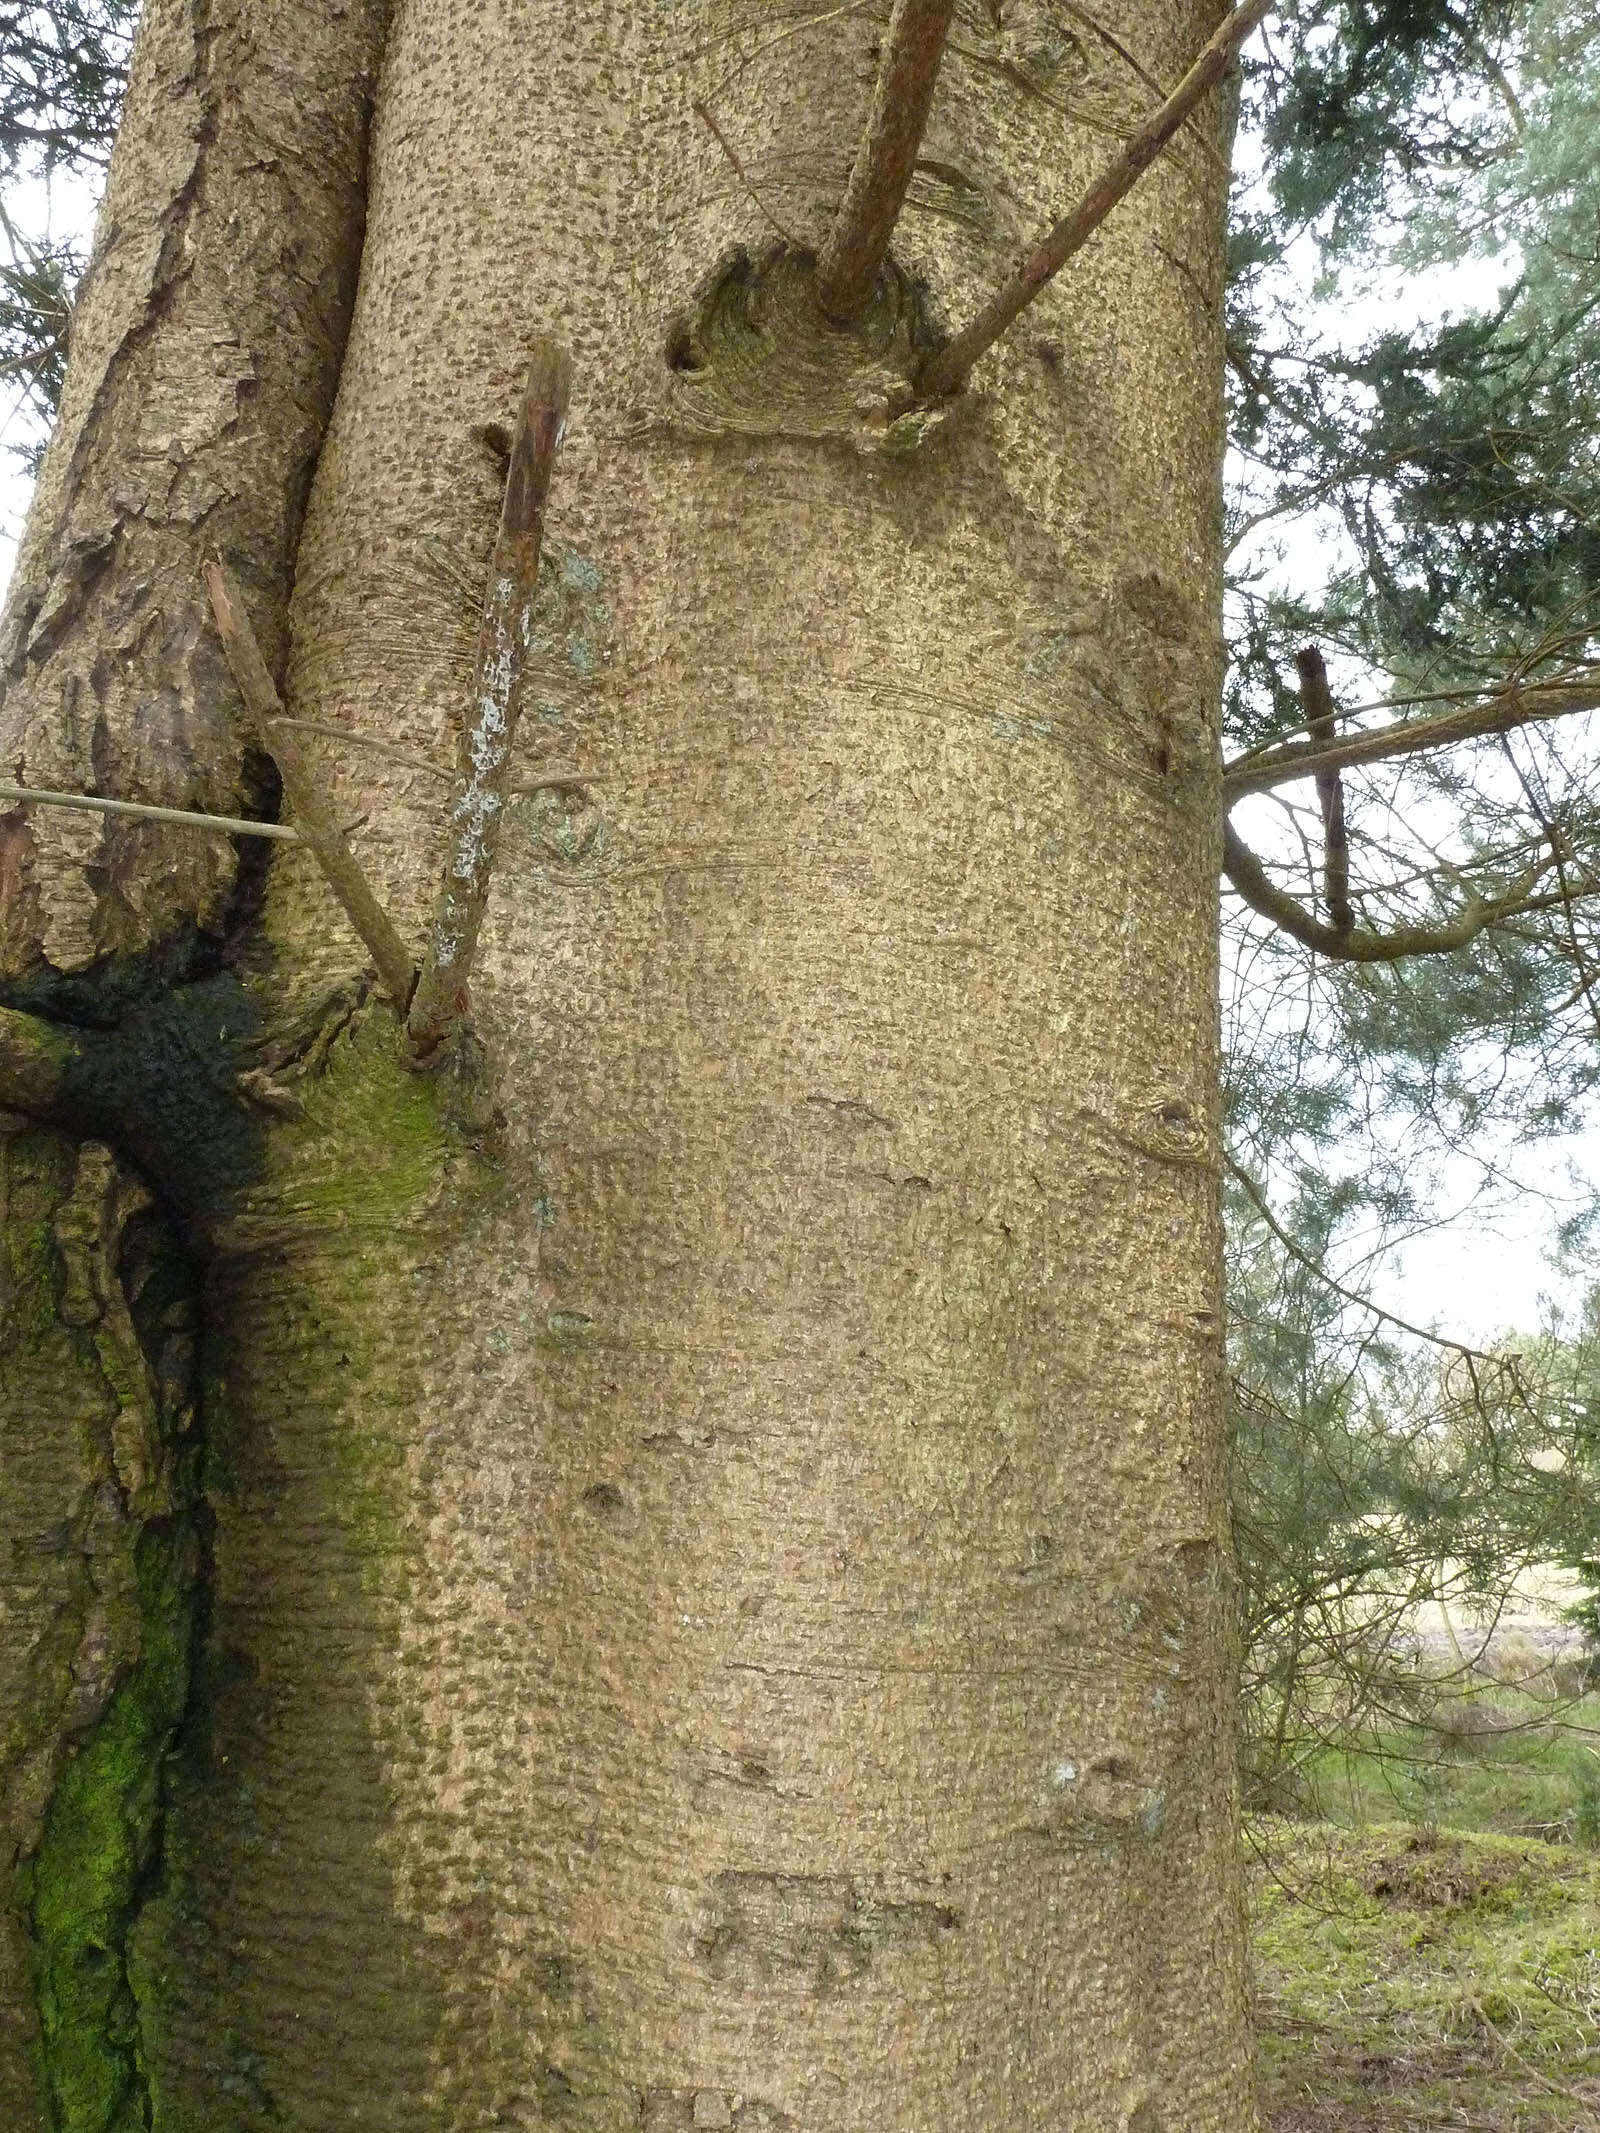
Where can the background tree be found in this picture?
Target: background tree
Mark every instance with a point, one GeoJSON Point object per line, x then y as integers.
{"type": "Point", "coordinates": [62, 71]}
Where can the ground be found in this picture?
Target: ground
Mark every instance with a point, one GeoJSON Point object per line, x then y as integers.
{"type": "Point", "coordinates": [1417, 1971]}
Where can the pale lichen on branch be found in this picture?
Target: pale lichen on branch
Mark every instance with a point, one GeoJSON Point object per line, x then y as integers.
{"type": "Point", "coordinates": [505, 640]}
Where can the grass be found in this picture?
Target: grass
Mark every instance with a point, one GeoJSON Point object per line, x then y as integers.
{"type": "Point", "coordinates": [1428, 1951]}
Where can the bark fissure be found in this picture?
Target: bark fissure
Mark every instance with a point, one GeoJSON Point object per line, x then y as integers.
{"type": "Point", "coordinates": [105, 1715]}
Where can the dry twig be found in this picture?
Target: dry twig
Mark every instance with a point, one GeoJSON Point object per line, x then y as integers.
{"type": "Point", "coordinates": [490, 727]}
{"type": "Point", "coordinates": [143, 811]}
{"type": "Point", "coordinates": [313, 818]}
{"type": "Point", "coordinates": [947, 371]}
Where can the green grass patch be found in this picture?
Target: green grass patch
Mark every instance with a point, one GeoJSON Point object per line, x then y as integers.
{"type": "Point", "coordinates": [1410, 1977]}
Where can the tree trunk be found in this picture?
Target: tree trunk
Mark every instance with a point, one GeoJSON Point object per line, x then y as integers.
{"type": "Point", "coordinates": [715, 1595]}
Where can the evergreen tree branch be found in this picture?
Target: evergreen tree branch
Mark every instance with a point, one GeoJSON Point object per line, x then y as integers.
{"type": "Point", "coordinates": [1502, 712]}
{"type": "Point", "coordinates": [850, 261]}
{"type": "Point", "coordinates": [1250, 880]}
{"type": "Point", "coordinates": [1323, 726]}
{"type": "Point", "coordinates": [1505, 1365]}
{"type": "Point", "coordinates": [1567, 888]}
{"type": "Point", "coordinates": [313, 817]}
{"type": "Point", "coordinates": [490, 728]}
{"type": "Point", "coordinates": [946, 372]}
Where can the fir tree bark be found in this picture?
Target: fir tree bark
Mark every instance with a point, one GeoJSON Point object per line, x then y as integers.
{"type": "Point", "coordinates": [716, 1582]}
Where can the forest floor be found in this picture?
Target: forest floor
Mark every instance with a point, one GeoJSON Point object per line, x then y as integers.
{"type": "Point", "coordinates": [1428, 1955]}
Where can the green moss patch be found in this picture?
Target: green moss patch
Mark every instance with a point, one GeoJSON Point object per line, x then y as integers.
{"type": "Point", "coordinates": [101, 1846]}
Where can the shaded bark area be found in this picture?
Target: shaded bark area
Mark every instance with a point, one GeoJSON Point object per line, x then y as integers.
{"type": "Point", "coordinates": [291, 1992]}
{"type": "Point", "coordinates": [205, 350]}
{"type": "Point", "coordinates": [99, 1558]}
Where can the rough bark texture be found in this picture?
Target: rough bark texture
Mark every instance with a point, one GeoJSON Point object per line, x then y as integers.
{"type": "Point", "coordinates": [719, 1617]}
{"type": "Point", "coordinates": [205, 352]}
{"type": "Point", "coordinates": [98, 1569]}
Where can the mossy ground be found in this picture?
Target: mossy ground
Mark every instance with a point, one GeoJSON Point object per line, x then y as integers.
{"type": "Point", "coordinates": [1440, 1967]}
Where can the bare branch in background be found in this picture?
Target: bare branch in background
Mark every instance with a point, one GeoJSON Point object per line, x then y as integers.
{"type": "Point", "coordinates": [1502, 712]}
{"type": "Point", "coordinates": [1251, 880]}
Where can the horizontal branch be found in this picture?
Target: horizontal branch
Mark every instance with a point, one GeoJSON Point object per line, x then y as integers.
{"type": "Point", "coordinates": [850, 261]}
{"type": "Point", "coordinates": [306, 793]}
{"type": "Point", "coordinates": [1502, 712]}
{"type": "Point", "coordinates": [1250, 879]}
{"type": "Point", "coordinates": [946, 371]}
{"type": "Point", "coordinates": [141, 811]}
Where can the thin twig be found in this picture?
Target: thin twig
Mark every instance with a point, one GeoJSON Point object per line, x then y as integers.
{"type": "Point", "coordinates": [850, 261]}
{"type": "Point", "coordinates": [187, 818]}
{"type": "Point", "coordinates": [1502, 712]}
{"type": "Point", "coordinates": [1506, 1365]}
{"type": "Point", "coordinates": [490, 728]}
{"type": "Point", "coordinates": [1250, 878]}
{"type": "Point", "coordinates": [947, 371]}
{"type": "Point", "coordinates": [702, 111]}
{"type": "Point", "coordinates": [1556, 2088]}
{"type": "Point", "coordinates": [1323, 726]}
{"type": "Point", "coordinates": [313, 818]}
{"type": "Point", "coordinates": [1541, 813]}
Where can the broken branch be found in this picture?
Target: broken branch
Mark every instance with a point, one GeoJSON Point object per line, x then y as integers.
{"type": "Point", "coordinates": [1251, 880]}
{"type": "Point", "coordinates": [313, 819]}
{"type": "Point", "coordinates": [490, 727]}
{"type": "Point", "coordinates": [946, 372]}
{"type": "Point", "coordinates": [848, 268]}
{"type": "Point", "coordinates": [1323, 726]}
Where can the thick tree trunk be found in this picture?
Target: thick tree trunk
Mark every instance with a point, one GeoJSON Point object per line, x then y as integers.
{"type": "Point", "coordinates": [205, 351]}
{"type": "Point", "coordinates": [718, 1590]}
